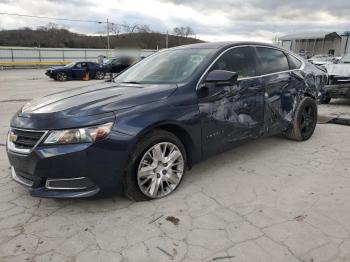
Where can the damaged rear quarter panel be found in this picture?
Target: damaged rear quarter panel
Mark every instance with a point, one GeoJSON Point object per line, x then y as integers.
{"type": "Point", "coordinates": [284, 91]}
{"type": "Point", "coordinates": [255, 107]}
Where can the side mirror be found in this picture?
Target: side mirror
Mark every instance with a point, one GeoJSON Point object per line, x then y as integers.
{"type": "Point", "coordinates": [222, 77]}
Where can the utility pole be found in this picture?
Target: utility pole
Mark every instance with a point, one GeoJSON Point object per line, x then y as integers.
{"type": "Point", "coordinates": [107, 34]}
{"type": "Point", "coordinates": [167, 40]}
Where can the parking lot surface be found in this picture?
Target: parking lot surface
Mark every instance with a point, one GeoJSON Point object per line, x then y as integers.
{"type": "Point", "coordinates": [269, 200]}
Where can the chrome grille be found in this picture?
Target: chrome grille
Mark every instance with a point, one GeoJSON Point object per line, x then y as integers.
{"type": "Point", "coordinates": [27, 139]}
{"type": "Point", "coordinates": [23, 141]}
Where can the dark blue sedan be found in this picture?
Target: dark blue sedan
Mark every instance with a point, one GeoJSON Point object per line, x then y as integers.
{"type": "Point", "coordinates": [77, 71]}
{"type": "Point", "coordinates": [140, 133]}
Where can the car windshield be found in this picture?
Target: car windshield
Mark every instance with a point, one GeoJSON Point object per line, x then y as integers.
{"type": "Point", "coordinates": [345, 58]}
{"type": "Point", "coordinates": [70, 65]}
{"type": "Point", "coordinates": [170, 66]}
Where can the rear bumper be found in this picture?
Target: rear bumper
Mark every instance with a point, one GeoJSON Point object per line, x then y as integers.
{"type": "Point", "coordinates": [73, 171]}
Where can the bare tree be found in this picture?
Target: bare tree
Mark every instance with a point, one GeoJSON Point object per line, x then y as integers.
{"type": "Point", "coordinates": [115, 29]}
{"type": "Point", "coordinates": [183, 31]}
{"type": "Point", "coordinates": [48, 27]}
{"type": "Point", "coordinates": [143, 29]}
{"type": "Point", "coordinates": [130, 29]}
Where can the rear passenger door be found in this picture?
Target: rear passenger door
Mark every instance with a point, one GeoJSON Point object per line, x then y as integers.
{"type": "Point", "coordinates": [237, 113]}
{"type": "Point", "coordinates": [276, 79]}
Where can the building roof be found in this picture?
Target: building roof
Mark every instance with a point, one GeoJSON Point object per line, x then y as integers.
{"type": "Point", "coordinates": [308, 36]}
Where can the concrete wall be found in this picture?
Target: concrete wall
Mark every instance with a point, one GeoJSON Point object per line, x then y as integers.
{"type": "Point", "coordinates": [19, 56]}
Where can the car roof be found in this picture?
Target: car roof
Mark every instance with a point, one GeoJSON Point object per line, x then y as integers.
{"type": "Point", "coordinates": [219, 45]}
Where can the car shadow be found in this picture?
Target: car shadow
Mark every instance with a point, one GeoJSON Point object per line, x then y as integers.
{"type": "Point", "coordinates": [202, 172]}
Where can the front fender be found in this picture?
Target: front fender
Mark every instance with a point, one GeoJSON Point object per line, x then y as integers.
{"type": "Point", "coordinates": [140, 120]}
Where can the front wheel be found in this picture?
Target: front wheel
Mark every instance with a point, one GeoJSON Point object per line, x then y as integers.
{"type": "Point", "coordinates": [99, 75]}
{"type": "Point", "coordinates": [61, 76]}
{"type": "Point", "coordinates": [156, 167]}
{"type": "Point", "coordinates": [305, 119]}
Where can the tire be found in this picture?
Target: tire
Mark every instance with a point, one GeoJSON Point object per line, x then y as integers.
{"type": "Point", "coordinates": [325, 99]}
{"type": "Point", "coordinates": [100, 75]}
{"type": "Point", "coordinates": [61, 76]}
{"type": "Point", "coordinates": [305, 120]}
{"type": "Point", "coordinates": [137, 182]}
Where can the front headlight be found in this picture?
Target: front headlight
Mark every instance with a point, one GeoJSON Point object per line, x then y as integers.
{"type": "Point", "coordinates": [79, 135]}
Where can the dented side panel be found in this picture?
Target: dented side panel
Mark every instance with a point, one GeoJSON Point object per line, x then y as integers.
{"type": "Point", "coordinates": [232, 115]}
{"type": "Point", "coordinates": [255, 107]}
{"type": "Point", "coordinates": [284, 92]}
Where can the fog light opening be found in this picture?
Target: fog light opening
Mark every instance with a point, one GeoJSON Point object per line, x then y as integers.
{"type": "Point", "coordinates": [78, 183]}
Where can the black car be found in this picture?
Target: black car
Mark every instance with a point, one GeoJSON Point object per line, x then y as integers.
{"type": "Point", "coordinates": [140, 133]}
{"type": "Point", "coordinates": [118, 64]}
{"type": "Point", "coordinates": [76, 71]}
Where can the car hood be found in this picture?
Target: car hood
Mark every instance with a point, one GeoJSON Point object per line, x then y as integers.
{"type": "Point", "coordinates": [338, 69]}
{"type": "Point", "coordinates": [95, 99]}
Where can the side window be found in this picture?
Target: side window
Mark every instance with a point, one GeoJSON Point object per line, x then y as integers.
{"type": "Point", "coordinates": [240, 60]}
{"type": "Point", "coordinates": [78, 65]}
{"type": "Point", "coordinates": [294, 63]}
{"type": "Point", "coordinates": [272, 60]}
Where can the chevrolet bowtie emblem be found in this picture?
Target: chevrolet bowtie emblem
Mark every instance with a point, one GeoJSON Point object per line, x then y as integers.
{"type": "Point", "coordinates": [13, 137]}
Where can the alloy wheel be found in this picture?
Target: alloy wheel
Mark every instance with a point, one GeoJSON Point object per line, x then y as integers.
{"type": "Point", "coordinates": [307, 120]}
{"type": "Point", "coordinates": [100, 75]}
{"type": "Point", "coordinates": [61, 76]}
{"type": "Point", "coordinates": [160, 170]}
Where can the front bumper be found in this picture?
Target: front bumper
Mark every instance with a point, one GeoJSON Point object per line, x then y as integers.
{"type": "Point", "coordinates": [72, 171]}
{"type": "Point", "coordinates": [54, 192]}
{"type": "Point", "coordinates": [50, 74]}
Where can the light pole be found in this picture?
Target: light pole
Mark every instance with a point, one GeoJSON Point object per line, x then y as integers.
{"type": "Point", "coordinates": [167, 40]}
{"type": "Point", "coordinates": [107, 34]}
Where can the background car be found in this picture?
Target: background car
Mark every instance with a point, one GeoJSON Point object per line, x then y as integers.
{"type": "Point", "coordinates": [321, 59]}
{"type": "Point", "coordinates": [339, 72]}
{"type": "Point", "coordinates": [119, 64]}
{"type": "Point", "coordinates": [76, 71]}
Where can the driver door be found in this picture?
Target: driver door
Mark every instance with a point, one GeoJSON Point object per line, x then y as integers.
{"type": "Point", "coordinates": [79, 70]}
{"type": "Point", "coordinates": [231, 114]}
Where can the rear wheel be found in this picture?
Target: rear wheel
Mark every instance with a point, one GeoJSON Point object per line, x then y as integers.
{"type": "Point", "coordinates": [61, 76]}
{"type": "Point", "coordinates": [156, 167]}
{"type": "Point", "coordinates": [100, 75]}
{"type": "Point", "coordinates": [305, 120]}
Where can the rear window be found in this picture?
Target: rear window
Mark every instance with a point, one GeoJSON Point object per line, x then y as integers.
{"type": "Point", "coordinates": [294, 63]}
{"type": "Point", "coordinates": [272, 60]}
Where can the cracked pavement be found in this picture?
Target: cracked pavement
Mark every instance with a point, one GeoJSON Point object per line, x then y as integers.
{"type": "Point", "coordinates": [268, 200]}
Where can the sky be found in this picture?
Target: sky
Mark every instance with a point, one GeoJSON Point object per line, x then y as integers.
{"type": "Point", "coordinates": [220, 20]}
